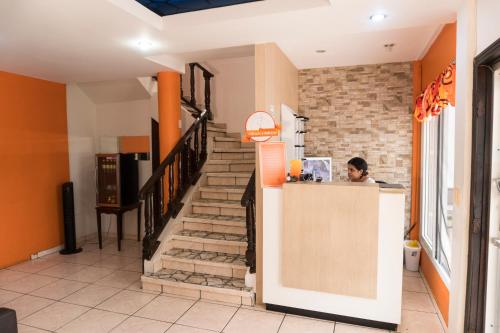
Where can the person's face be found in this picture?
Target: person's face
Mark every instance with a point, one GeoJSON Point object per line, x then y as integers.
{"type": "Point", "coordinates": [353, 173]}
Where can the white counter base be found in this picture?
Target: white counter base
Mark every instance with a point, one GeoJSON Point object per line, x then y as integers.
{"type": "Point", "coordinates": [385, 309]}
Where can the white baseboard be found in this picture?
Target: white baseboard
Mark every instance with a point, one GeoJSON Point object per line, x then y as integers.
{"type": "Point", "coordinates": [47, 252]}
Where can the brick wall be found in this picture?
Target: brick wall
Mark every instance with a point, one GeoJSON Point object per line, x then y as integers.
{"type": "Point", "coordinates": [361, 111]}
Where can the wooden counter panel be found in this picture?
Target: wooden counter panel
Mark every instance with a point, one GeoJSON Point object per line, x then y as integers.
{"type": "Point", "coordinates": [330, 238]}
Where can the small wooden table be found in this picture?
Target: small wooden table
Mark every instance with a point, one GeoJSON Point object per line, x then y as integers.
{"type": "Point", "coordinates": [118, 211]}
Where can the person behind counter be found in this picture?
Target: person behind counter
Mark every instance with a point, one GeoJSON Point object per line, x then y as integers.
{"type": "Point", "coordinates": [357, 171]}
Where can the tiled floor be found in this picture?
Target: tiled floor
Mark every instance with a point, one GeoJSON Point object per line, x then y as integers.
{"type": "Point", "coordinates": [99, 291]}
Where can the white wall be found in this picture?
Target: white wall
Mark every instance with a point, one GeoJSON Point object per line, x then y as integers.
{"type": "Point", "coordinates": [81, 138]}
{"type": "Point", "coordinates": [132, 118]}
{"type": "Point", "coordinates": [233, 90]}
{"type": "Point", "coordinates": [477, 28]}
{"type": "Point", "coordinates": [488, 26]}
{"type": "Point", "coordinates": [87, 123]}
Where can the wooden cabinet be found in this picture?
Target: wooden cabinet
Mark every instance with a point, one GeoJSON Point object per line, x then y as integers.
{"type": "Point", "coordinates": [117, 180]}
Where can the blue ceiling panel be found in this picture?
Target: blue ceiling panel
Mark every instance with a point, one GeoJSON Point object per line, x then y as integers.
{"type": "Point", "coordinates": [172, 7]}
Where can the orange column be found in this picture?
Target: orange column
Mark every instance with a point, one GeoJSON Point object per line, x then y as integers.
{"type": "Point", "coordinates": [169, 113]}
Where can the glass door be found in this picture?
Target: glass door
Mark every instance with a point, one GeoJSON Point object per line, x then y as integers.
{"type": "Point", "coordinates": [493, 280]}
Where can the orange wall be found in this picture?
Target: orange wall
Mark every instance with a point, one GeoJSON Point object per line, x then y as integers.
{"type": "Point", "coordinates": [438, 288]}
{"type": "Point", "coordinates": [440, 54]}
{"type": "Point", "coordinates": [134, 144]}
{"type": "Point", "coordinates": [438, 57]}
{"type": "Point", "coordinates": [34, 164]}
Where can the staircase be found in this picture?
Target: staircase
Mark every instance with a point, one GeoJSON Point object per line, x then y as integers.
{"type": "Point", "coordinates": [205, 256]}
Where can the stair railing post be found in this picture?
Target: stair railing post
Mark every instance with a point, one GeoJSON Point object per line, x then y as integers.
{"type": "Point", "coordinates": [182, 91]}
{"type": "Point", "coordinates": [207, 76]}
{"type": "Point", "coordinates": [180, 186]}
{"type": "Point", "coordinates": [192, 82]}
{"type": "Point", "coordinates": [203, 155]}
{"type": "Point", "coordinates": [170, 189]}
{"type": "Point", "coordinates": [162, 197]}
{"type": "Point", "coordinates": [196, 148]}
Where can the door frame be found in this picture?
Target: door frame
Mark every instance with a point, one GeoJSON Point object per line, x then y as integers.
{"type": "Point", "coordinates": [479, 215]}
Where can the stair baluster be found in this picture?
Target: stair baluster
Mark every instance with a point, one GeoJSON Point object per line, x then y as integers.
{"type": "Point", "coordinates": [248, 201]}
{"type": "Point", "coordinates": [193, 83]}
{"type": "Point", "coordinates": [189, 162]}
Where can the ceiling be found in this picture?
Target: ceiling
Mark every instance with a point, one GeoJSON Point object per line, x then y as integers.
{"type": "Point", "coordinates": [113, 91]}
{"type": "Point", "coordinates": [96, 40]}
{"type": "Point", "coordinates": [172, 7]}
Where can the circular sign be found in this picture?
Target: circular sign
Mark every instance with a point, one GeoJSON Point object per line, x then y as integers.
{"type": "Point", "coordinates": [258, 125]}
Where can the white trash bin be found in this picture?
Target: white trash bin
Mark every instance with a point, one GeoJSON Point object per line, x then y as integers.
{"type": "Point", "coordinates": [412, 255]}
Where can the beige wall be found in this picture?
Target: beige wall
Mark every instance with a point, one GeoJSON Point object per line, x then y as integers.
{"type": "Point", "coordinates": [276, 79]}
{"type": "Point", "coordinates": [232, 90]}
{"type": "Point", "coordinates": [363, 111]}
{"type": "Point", "coordinates": [276, 82]}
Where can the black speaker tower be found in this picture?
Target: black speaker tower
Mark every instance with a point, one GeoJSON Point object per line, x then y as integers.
{"type": "Point", "coordinates": [69, 220]}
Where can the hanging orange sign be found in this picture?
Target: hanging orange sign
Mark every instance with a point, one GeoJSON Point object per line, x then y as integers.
{"type": "Point", "coordinates": [438, 94]}
{"type": "Point", "coordinates": [260, 127]}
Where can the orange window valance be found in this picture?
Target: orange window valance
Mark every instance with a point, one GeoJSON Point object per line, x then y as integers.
{"type": "Point", "coordinates": [438, 94]}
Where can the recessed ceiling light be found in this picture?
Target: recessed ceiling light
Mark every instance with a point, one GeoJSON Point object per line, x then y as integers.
{"type": "Point", "coordinates": [320, 51]}
{"type": "Point", "coordinates": [378, 17]}
{"type": "Point", "coordinates": [144, 45]}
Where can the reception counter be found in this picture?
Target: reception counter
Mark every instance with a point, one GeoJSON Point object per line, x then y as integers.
{"type": "Point", "coordinates": [334, 251]}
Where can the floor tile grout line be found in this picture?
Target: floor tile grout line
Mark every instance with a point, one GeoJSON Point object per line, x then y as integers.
{"type": "Point", "coordinates": [230, 319]}
{"type": "Point", "coordinates": [89, 308]}
{"type": "Point", "coordinates": [281, 323]}
{"type": "Point", "coordinates": [182, 315]}
{"type": "Point", "coordinates": [60, 301]}
{"type": "Point", "coordinates": [98, 309]}
{"type": "Point", "coordinates": [434, 304]}
{"type": "Point", "coordinates": [38, 328]}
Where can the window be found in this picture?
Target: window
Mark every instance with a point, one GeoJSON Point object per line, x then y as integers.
{"type": "Point", "coordinates": [437, 156]}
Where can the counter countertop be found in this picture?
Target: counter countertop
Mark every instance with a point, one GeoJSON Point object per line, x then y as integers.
{"type": "Point", "coordinates": [388, 188]}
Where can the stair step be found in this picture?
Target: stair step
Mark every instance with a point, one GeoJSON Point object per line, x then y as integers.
{"type": "Point", "coordinates": [234, 150]}
{"type": "Point", "coordinates": [230, 174]}
{"type": "Point", "coordinates": [209, 241]}
{"type": "Point", "coordinates": [226, 139]}
{"type": "Point", "coordinates": [230, 162]}
{"type": "Point", "coordinates": [224, 189]}
{"type": "Point", "coordinates": [233, 154]}
{"type": "Point", "coordinates": [215, 219]}
{"type": "Point", "coordinates": [227, 192]}
{"type": "Point", "coordinates": [215, 223]}
{"type": "Point", "coordinates": [218, 207]}
{"type": "Point", "coordinates": [208, 262]}
{"type": "Point", "coordinates": [231, 143]}
{"type": "Point", "coordinates": [213, 237]}
{"type": "Point", "coordinates": [211, 123]}
{"type": "Point", "coordinates": [215, 129]}
{"type": "Point", "coordinates": [199, 285]}
{"type": "Point", "coordinates": [229, 165]}
{"type": "Point", "coordinates": [228, 178]}
{"type": "Point", "coordinates": [217, 203]}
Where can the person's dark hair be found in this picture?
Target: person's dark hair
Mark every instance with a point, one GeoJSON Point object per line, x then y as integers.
{"type": "Point", "coordinates": [360, 165]}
